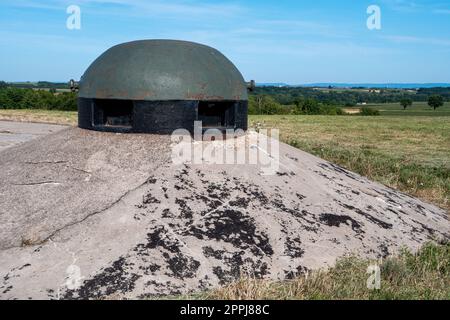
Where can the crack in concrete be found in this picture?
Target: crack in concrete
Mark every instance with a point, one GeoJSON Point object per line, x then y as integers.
{"type": "Point", "coordinates": [96, 212]}
{"type": "Point", "coordinates": [46, 162]}
{"type": "Point", "coordinates": [59, 162]}
{"type": "Point", "coordinates": [80, 170]}
{"type": "Point", "coordinates": [36, 183]}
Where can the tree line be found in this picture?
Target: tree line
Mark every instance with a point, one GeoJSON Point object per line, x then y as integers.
{"type": "Point", "coordinates": [35, 85]}
{"type": "Point", "coordinates": [349, 97]}
{"type": "Point", "coordinates": [299, 100]}
{"type": "Point", "coordinates": [18, 98]}
{"type": "Point", "coordinates": [266, 104]}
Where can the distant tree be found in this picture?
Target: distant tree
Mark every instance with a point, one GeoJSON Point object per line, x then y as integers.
{"type": "Point", "coordinates": [31, 100]}
{"type": "Point", "coordinates": [311, 106]}
{"type": "Point", "coordinates": [270, 106]}
{"type": "Point", "coordinates": [67, 101]}
{"type": "Point", "coordinates": [3, 84]}
{"type": "Point", "coordinates": [5, 101]}
{"type": "Point", "coordinates": [16, 95]}
{"type": "Point", "coordinates": [435, 101]}
{"type": "Point", "coordinates": [264, 104]}
{"type": "Point", "coordinates": [405, 103]}
{"type": "Point", "coordinates": [298, 106]}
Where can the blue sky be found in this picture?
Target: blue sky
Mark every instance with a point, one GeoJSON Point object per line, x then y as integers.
{"type": "Point", "coordinates": [292, 41]}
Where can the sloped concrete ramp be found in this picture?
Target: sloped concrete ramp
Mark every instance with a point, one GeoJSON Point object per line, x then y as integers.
{"type": "Point", "coordinates": [13, 133]}
{"type": "Point", "coordinates": [90, 215]}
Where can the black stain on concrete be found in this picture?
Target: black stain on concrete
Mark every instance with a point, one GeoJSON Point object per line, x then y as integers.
{"type": "Point", "coordinates": [334, 220]}
{"type": "Point", "coordinates": [233, 227]}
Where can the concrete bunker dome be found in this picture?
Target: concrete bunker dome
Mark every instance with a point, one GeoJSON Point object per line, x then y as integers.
{"type": "Point", "coordinates": [157, 86]}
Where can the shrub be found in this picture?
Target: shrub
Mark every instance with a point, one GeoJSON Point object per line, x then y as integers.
{"type": "Point", "coordinates": [370, 112]}
{"type": "Point", "coordinates": [330, 110]}
{"type": "Point", "coordinates": [340, 112]}
{"type": "Point", "coordinates": [313, 107]}
{"type": "Point", "coordinates": [435, 101]}
{"type": "Point", "coordinates": [265, 105]}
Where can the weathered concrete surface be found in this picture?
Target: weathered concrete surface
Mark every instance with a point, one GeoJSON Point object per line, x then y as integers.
{"type": "Point", "coordinates": [112, 214]}
{"type": "Point", "coordinates": [13, 133]}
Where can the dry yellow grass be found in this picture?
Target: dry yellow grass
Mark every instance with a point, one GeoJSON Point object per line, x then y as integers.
{"type": "Point", "coordinates": [41, 116]}
{"type": "Point", "coordinates": [424, 275]}
{"type": "Point", "coordinates": [351, 110]}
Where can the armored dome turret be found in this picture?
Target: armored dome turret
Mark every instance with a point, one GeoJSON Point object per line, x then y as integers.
{"type": "Point", "coordinates": [158, 86]}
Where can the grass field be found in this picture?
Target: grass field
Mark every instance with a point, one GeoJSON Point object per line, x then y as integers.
{"type": "Point", "coordinates": [417, 109]}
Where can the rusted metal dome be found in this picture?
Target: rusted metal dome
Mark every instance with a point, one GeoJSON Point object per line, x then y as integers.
{"type": "Point", "coordinates": [158, 86]}
{"type": "Point", "coordinates": [162, 70]}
